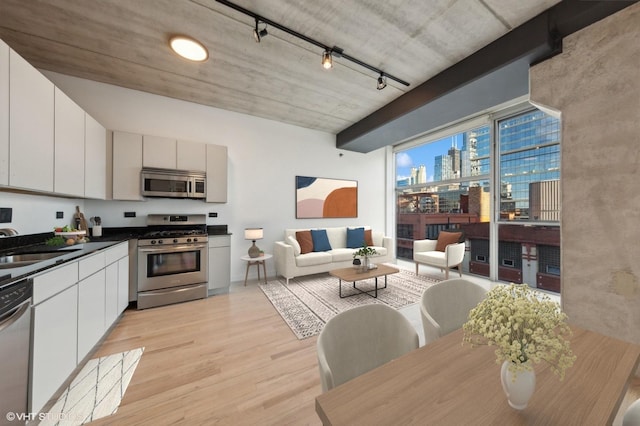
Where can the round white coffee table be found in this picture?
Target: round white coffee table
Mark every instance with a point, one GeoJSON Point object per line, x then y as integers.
{"type": "Point", "coordinates": [260, 260]}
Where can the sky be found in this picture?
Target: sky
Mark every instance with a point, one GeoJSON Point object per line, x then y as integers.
{"type": "Point", "coordinates": [423, 154]}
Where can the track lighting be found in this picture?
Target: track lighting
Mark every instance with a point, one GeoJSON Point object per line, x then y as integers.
{"type": "Point", "coordinates": [327, 61]}
{"type": "Point", "coordinates": [258, 34]}
{"type": "Point", "coordinates": [382, 81]}
{"type": "Point", "coordinates": [329, 52]}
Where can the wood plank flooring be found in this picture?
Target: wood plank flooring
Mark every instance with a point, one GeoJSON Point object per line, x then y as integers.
{"type": "Point", "coordinates": [225, 360]}
{"type": "Point", "coordinates": [228, 360]}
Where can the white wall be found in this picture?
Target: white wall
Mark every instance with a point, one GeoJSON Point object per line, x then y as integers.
{"type": "Point", "coordinates": [264, 158]}
{"type": "Point", "coordinates": [33, 214]}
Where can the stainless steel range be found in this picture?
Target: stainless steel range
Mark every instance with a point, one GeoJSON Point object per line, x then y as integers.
{"type": "Point", "coordinates": [172, 260]}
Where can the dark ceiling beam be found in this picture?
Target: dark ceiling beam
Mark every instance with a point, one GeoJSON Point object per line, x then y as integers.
{"type": "Point", "coordinates": [536, 39]}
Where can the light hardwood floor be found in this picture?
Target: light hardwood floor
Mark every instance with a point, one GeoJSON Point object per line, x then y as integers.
{"type": "Point", "coordinates": [228, 360]}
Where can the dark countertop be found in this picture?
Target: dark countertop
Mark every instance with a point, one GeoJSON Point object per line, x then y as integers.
{"type": "Point", "coordinates": [34, 243]}
{"type": "Point", "coordinates": [10, 275]}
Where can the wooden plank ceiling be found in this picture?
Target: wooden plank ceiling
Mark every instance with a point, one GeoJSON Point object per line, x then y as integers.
{"type": "Point", "coordinates": [124, 42]}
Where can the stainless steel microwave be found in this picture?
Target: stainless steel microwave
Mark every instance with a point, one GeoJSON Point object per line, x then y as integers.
{"type": "Point", "coordinates": [173, 183]}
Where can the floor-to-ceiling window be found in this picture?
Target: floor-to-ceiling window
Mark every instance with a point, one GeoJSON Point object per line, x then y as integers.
{"type": "Point", "coordinates": [494, 176]}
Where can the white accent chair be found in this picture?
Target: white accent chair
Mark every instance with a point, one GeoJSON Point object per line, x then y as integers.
{"type": "Point", "coordinates": [424, 252]}
{"type": "Point", "coordinates": [445, 306]}
{"type": "Point", "coordinates": [361, 339]}
{"type": "Point", "coordinates": [632, 415]}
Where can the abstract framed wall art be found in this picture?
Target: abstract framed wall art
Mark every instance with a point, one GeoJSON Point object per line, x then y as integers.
{"type": "Point", "coordinates": [325, 198]}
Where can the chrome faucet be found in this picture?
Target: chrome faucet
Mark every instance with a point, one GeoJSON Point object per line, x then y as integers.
{"type": "Point", "coordinates": [7, 232]}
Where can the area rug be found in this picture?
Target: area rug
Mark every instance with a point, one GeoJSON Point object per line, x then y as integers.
{"type": "Point", "coordinates": [307, 303]}
{"type": "Point", "coordinates": [96, 391]}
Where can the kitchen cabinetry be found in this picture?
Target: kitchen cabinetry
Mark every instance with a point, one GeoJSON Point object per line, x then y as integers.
{"type": "Point", "coordinates": [216, 174]}
{"type": "Point", "coordinates": [31, 124]}
{"type": "Point", "coordinates": [55, 332]}
{"type": "Point", "coordinates": [167, 153]}
{"type": "Point", "coordinates": [127, 164]}
{"type": "Point", "coordinates": [4, 113]}
{"type": "Point", "coordinates": [95, 160]}
{"type": "Point", "coordinates": [117, 282]}
{"type": "Point", "coordinates": [158, 152]}
{"type": "Point", "coordinates": [91, 312]}
{"type": "Point", "coordinates": [132, 151]}
{"type": "Point", "coordinates": [74, 305]}
{"type": "Point", "coordinates": [69, 146]}
{"type": "Point", "coordinates": [219, 261]}
{"type": "Point", "coordinates": [191, 156]}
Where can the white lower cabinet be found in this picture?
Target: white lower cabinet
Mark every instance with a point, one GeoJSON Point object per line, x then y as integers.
{"type": "Point", "coordinates": [74, 306]}
{"type": "Point", "coordinates": [123, 284]}
{"type": "Point", "coordinates": [111, 293]}
{"type": "Point", "coordinates": [55, 339]}
{"type": "Point", "coordinates": [219, 261]}
{"type": "Point", "coordinates": [91, 315]}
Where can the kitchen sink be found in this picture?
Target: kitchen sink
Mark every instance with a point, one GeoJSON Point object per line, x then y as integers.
{"type": "Point", "coordinates": [25, 259]}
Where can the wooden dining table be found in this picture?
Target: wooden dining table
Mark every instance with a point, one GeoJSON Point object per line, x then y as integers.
{"type": "Point", "coordinates": [448, 383]}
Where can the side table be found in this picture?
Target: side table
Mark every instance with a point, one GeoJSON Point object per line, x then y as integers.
{"type": "Point", "coordinates": [260, 260]}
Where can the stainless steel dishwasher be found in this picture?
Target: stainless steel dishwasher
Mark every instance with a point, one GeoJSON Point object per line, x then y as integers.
{"type": "Point", "coordinates": [15, 333]}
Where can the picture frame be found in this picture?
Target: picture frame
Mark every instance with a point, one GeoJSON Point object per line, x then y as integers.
{"type": "Point", "coordinates": [318, 197]}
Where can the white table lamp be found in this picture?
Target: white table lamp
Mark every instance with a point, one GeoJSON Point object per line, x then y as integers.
{"type": "Point", "coordinates": [253, 234]}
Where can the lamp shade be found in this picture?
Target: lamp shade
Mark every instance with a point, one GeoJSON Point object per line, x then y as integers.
{"type": "Point", "coordinates": [253, 233]}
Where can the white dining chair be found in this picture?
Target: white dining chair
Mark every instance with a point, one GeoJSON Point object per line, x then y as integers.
{"type": "Point", "coordinates": [632, 415]}
{"type": "Point", "coordinates": [361, 339]}
{"type": "Point", "coordinates": [445, 306]}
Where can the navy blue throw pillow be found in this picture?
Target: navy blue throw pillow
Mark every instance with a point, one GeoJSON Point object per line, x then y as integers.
{"type": "Point", "coordinates": [320, 240]}
{"type": "Point", "coordinates": [355, 237]}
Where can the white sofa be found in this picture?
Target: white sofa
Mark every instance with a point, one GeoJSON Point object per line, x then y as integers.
{"type": "Point", "coordinates": [288, 265]}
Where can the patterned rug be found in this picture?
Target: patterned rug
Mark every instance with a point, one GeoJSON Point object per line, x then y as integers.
{"type": "Point", "coordinates": [307, 303]}
{"type": "Point", "coordinates": [96, 391]}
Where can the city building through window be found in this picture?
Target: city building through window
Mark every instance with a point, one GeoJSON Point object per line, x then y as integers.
{"type": "Point", "coordinates": [446, 181]}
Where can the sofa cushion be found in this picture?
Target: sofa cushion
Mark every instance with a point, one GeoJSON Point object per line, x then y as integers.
{"type": "Point", "coordinates": [314, 258]}
{"type": "Point", "coordinates": [355, 237]}
{"type": "Point", "coordinates": [337, 236]}
{"type": "Point", "coordinates": [305, 241]}
{"type": "Point", "coordinates": [342, 254]}
{"type": "Point", "coordinates": [320, 240]}
{"type": "Point", "coordinates": [446, 238]}
{"type": "Point", "coordinates": [295, 244]}
{"type": "Point", "coordinates": [368, 238]}
{"type": "Point", "coordinates": [430, 257]}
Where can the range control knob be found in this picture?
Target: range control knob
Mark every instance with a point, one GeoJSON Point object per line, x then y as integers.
{"type": "Point", "coordinates": [188, 240]}
{"type": "Point", "coordinates": [160, 241]}
{"type": "Point", "coordinates": [175, 240]}
{"type": "Point", "coordinates": [195, 240]}
{"type": "Point", "coordinates": [153, 241]}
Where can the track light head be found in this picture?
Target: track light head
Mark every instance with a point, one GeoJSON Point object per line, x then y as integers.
{"type": "Point", "coordinates": [258, 34]}
{"type": "Point", "coordinates": [382, 81]}
{"type": "Point", "coordinates": [327, 61]}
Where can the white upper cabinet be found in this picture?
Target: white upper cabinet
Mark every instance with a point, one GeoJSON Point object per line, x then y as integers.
{"type": "Point", "coordinates": [95, 160]}
{"type": "Point", "coordinates": [159, 152]}
{"type": "Point", "coordinates": [127, 164]}
{"type": "Point", "coordinates": [192, 156]}
{"type": "Point", "coordinates": [69, 164]}
{"type": "Point", "coordinates": [216, 174]}
{"type": "Point", "coordinates": [4, 113]}
{"type": "Point", "coordinates": [31, 121]}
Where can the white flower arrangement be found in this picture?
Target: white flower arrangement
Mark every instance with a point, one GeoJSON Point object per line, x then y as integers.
{"type": "Point", "coordinates": [524, 325]}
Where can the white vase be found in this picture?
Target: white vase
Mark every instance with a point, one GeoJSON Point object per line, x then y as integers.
{"type": "Point", "coordinates": [520, 389]}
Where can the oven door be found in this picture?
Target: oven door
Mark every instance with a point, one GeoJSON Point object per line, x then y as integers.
{"type": "Point", "coordinates": [172, 266]}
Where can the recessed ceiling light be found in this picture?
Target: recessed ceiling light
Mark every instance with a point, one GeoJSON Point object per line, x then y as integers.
{"type": "Point", "coordinates": [189, 48]}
